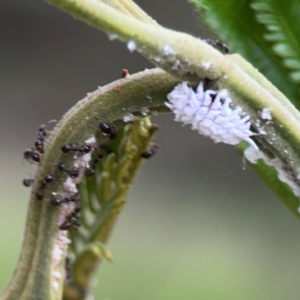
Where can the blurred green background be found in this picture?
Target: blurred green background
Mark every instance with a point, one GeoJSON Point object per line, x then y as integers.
{"type": "Point", "coordinates": [197, 224]}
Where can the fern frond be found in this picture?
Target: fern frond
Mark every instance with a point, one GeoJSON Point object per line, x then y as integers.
{"type": "Point", "coordinates": [282, 21]}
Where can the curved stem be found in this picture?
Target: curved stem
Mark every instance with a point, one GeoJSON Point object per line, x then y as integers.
{"type": "Point", "coordinates": [183, 56]}
{"type": "Point", "coordinates": [191, 59]}
{"type": "Point", "coordinates": [148, 89]}
{"type": "Point", "coordinates": [175, 52]}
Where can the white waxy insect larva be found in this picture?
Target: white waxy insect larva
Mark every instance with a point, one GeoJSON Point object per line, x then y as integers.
{"type": "Point", "coordinates": [210, 113]}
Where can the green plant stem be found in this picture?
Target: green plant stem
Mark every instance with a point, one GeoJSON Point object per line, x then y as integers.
{"type": "Point", "coordinates": [191, 59]}
{"type": "Point", "coordinates": [149, 39]}
{"type": "Point", "coordinates": [183, 56]}
{"type": "Point", "coordinates": [32, 276]}
{"type": "Point", "coordinates": [129, 8]}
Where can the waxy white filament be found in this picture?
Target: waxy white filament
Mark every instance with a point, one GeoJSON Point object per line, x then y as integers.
{"type": "Point", "coordinates": [210, 113]}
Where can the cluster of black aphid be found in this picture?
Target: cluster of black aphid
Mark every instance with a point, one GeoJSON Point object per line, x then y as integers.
{"type": "Point", "coordinates": [43, 183]}
{"type": "Point", "coordinates": [111, 132]}
{"type": "Point", "coordinates": [83, 149]}
{"type": "Point", "coordinates": [71, 222]}
{"type": "Point", "coordinates": [73, 171]}
{"type": "Point", "coordinates": [39, 143]}
{"type": "Point", "coordinates": [33, 153]}
{"type": "Point", "coordinates": [67, 148]}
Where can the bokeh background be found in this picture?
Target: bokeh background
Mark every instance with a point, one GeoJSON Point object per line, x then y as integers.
{"type": "Point", "coordinates": [198, 225]}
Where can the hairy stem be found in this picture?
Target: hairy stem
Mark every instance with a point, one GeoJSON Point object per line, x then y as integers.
{"type": "Point", "coordinates": [153, 41]}
{"type": "Point", "coordinates": [183, 56]}
{"type": "Point", "coordinates": [129, 8]}
{"type": "Point", "coordinates": [32, 277]}
{"type": "Point", "coordinates": [191, 59]}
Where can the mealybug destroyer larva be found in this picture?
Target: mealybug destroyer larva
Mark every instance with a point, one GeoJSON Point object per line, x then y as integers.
{"type": "Point", "coordinates": [210, 113]}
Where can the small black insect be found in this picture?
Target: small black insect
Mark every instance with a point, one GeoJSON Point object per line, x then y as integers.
{"type": "Point", "coordinates": [27, 153]}
{"type": "Point", "coordinates": [73, 172]}
{"type": "Point", "coordinates": [30, 154]}
{"type": "Point", "coordinates": [42, 130]}
{"type": "Point", "coordinates": [61, 166]}
{"type": "Point", "coordinates": [47, 179]}
{"type": "Point", "coordinates": [105, 128]}
{"type": "Point", "coordinates": [35, 156]}
{"type": "Point", "coordinates": [66, 225]}
{"type": "Point", "coordinates": [27, 181]}
{"type": "Point", "coordinates": [56, 202]}
{"type": "Point", "coordinates": [218, 45]}
{"type": "Point", "coordinates": [151, 151]}
{"type": "Point", "coordinates": [39, 143]}
{"type": "Point", "coordinates": [33, 152]}
{"type": "Point", "coordinates": [109, 130]}
{"type": "Point", "coordinates": [42, 133]}
{"type": "Point", "coordinates": [72, 199]}
{"type": "Point", "coordinates": [71, 222]}
{"type": "Point", "coordinates": [92, 169]}
{"type": "Point", "coordinates": [39, 146]}
{"type": "Point", "coordinates": [66, 148]}
{"type": "Point", "coordinates": [84, 149]}
{"type": "Point", "coordinates": [39, 196]}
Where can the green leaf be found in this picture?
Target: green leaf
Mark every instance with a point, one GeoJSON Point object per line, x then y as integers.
{"type": "Point", "coordinates": [282, 22]}
{"type": "Point", "coordinates": [269, 175]}
{"type": "Point", "coordinates": [234, 22]}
